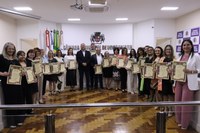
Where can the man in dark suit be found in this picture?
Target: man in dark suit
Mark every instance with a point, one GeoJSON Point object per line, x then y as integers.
{"type": "Point", "coordinates": [92, 52]}
{"type": "Point", "coordinates": [83, 58]}
{"type": "Point", "coordinates": [97, 59]}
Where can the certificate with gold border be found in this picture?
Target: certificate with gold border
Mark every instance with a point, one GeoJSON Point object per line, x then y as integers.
{"type": "Point", "coordinates": [148, 70]}
{"type": "Point", "coordinates": [114, 61]}
{"type": "Point", "coordinates": [37, 66]}
{"type": "Point", "coordinates": [98, 69]}
{"type": "Point", "coordinates": [30, 75]}
{"type": "Point", "coordinates": [55, 68]}
{"type": "Point", "coordinates": [72, 65]}
{"type": "Point", "coordinates": [129, 64]}
{"type": "Point", "coordinates": [135, 68]}
{"type": "Point", "coordinates": [141, 62]}
{"type": "Point", "coordinates": [162, 70]}
{"type": "Point", "coordinates": [120, 63]}
{"type": "Point", "coordinates": [178, 73]}
{"type": "Point", "coordinates": [92, 52]}
{"type": "Point", "coordinates": [62, 67]}
{"type": "Point", "coordinates": [15, 75]}
{"type": "Point", "coordinates": [46, 68]}
{"type": "Point", "coordinates": [106, 62]}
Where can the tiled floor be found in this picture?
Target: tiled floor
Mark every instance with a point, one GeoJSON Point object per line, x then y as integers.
{"type": "Point", "coordinates": [98, 119]}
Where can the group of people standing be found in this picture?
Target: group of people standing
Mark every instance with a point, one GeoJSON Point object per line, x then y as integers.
{"type": "Point", "coordinates": [87, 62]}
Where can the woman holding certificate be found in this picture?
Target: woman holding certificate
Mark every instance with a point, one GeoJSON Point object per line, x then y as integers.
{"type": "Point", "coordinates": [165, 83]}
{"type": "Point", "coordinates": [28, 88]}
{"type": "Point", "coordinates": [61, 76]}
{"type": "Point", "coordinates": [132, 78]}
{"type": "Point", "coordinates": [116, 72]}
{"type": "Point", "coordinates": [52, 78]}
{"type": "Point", "coordinates": [107, 70]}
{"type": "Point", "coordinates": [122, 59]}
{"type": "Point", "coordinates": [29, 59]}
{"type": "Point", "coordinates": [71, 69]}
{"type": "Point", "coordinates": [140, 57]}
{"type": "Point", "coordinates": [184, 91]}
{"type": "Point", "coordinates": [13, 94]}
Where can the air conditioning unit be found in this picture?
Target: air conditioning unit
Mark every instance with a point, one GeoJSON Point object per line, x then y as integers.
{"type": "Point", "coordinates": [101, 2]}
{"type": "Point", "coordinates": [96, 9]}
{"type": "Point", "coordinates": [96, 6]}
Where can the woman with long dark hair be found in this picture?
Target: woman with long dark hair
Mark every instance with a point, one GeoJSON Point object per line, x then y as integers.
{"type": "Point", "coordinates": [184, 91]}
{"type": "Point", "coordinates": [71, 73]}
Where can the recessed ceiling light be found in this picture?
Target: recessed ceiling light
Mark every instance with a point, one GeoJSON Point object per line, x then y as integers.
{"type": "Point", "coordinates": [121, 19]}
{"type": "Point", "coordinates": [23, 8]}
{"type": "Point", "coordinates": [169, 8]}
{"type": "Point", "coordinates": [74, 19]}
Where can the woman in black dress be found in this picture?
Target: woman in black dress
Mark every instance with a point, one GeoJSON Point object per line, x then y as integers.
{"type": "Point", "coordinates": [107, 72]}
{"type": "Point", "coordinates": [53, 78]}
{"type": "Point", "coordinates": [34, 86]}
{"type": "Point", "coordinates": [70, 73]}
{"type": "Point", "coordinates": [13, 94]}
{"type": "Point", "coordinates": [166, 85]}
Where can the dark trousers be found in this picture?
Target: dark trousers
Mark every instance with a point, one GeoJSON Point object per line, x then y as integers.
{"type": "Point", "coordinates": [98, 79]}
{"type": "Point", "coordinates": [81, 74]}
{"type": "Point", "coordinates": [147, 87]}
{"type": "Point", "coordinates": [44, 84]}
{"type": "Point", "coordinates": [123, 78]}
{"type": "Point", "coordinates": [91, 77]}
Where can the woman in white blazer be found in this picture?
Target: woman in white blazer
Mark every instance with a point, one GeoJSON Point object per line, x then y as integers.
{"type": "Point", "coordinates": [184, 91]}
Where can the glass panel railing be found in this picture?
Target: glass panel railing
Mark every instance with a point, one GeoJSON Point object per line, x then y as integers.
{"type": "Point", "coordinates": [124, 118]}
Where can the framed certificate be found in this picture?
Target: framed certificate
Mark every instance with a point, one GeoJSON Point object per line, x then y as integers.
{"type": "Point", "coordinates": [129, 64]}
{"type": "Point", "coordinates": [120, 63]}
{"type": "Point", "coordinates": [37, 67]}
{"type": "Point", "coordinates": [30, 75]}
{"type": "Point", "coordinates": [114, 61]}
{"type": "Point", "coordinates": [92, 52]}
{"type": "Point", "coordinates": [141, 62]}
{"type": "Point", "coordinates": [162, 70]}
{"type": "Point", "coordinates": [54, 68]}
{"type": "Point", "coordinates": [178, 73]}
{"type": "Point", "coordinates": [72, 64]}
{"type": "Point", "coordinates": [106, 62]}
{"type": "Point", "coordinates": [46, 68]}
{"type": "Point", "coordinates": [98, 69]}
{"type": "Point", "coordinates": [15, 75]}
{"type": "Point", "coordinates": [148, 71]}
{"type": "Point", "coordinates": [135, 68]}
{"type": "Point", "coordinates": [62, 67]}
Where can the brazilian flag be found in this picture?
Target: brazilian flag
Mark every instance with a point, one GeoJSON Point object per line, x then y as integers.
{"type": "Point", "coordinates": [56, 40]}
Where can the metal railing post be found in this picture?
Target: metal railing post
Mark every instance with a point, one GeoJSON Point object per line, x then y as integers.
{"type": "Point", "coordinates": [161, 122]}
{"type": "Point", "coordinates": [49, 123]}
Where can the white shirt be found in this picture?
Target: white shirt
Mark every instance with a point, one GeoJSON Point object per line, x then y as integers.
{"type": "Point", "coordinates": [99, 59]}
{"type": "Point", "coordinates": [83, 53]}
{"type": "Point", "coordinates": [69, 57]}
{"type": "Point", "coordinates": [59, 59]}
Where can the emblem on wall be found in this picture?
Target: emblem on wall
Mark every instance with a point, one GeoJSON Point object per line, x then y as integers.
{"type": "Point", "coordinates": [97, 37]}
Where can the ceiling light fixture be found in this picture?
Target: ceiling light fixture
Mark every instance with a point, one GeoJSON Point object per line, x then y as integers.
{"type": "Point", "coordinates": [74, 19]}
{"type": "Point", "coordinates": [169, 8]}
{"type": "Point", "coordinates": [121, 19]}
{"type": "Point", "coordinates": [19, 13]}
{"type": "Point", "coordinates": [23, 8]}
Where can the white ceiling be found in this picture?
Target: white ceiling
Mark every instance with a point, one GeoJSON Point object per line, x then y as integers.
{"type": "Point", "coordinates": [136, 10]}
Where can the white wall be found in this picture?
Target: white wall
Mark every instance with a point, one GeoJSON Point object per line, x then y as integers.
{"type": "Point", "coordinates": [144, 34]}
{"type": "Point", "coordinates": [115, 34]}
{"type": "Point", "coordinates": [27, 29]}
{"type": "Point", "coordinates": [188, 21]}
{"type": "Point", "coordinates": [8, 32]}
{"type": "Point", "coordinates": [184, 22]}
